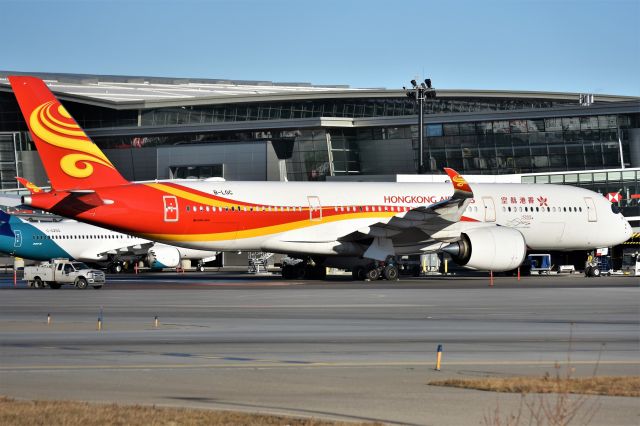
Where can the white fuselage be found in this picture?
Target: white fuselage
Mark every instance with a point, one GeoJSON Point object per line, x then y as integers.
{"type": "Point", "coordinates": [551, 217]}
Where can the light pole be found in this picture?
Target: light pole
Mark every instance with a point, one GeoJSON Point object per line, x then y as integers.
{"type": "Point", "coordinates": [420, 92]}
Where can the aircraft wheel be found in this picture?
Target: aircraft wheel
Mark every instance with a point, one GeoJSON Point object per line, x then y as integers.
{"type": "Point", "coordinates": [81, 283]}
{"type": "Point", "coordinates": [391, 272]}
{"type": "Point", "coordinates": [200, 267]}
{"type": "Point", "coordinates": [372, 274]}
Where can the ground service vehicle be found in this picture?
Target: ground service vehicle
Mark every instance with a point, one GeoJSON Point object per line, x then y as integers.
{"type": "Point", "coordinates": [631, 261]}
{"type": "Point", "coordinates": [57, 272]}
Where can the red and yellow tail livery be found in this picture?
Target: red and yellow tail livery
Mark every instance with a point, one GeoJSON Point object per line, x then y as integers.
{"type": "Point", "coordinates": [71, 159]}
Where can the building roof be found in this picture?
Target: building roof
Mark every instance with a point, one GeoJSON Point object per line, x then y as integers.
{"type": "Point", "coordinates": [131, 92]}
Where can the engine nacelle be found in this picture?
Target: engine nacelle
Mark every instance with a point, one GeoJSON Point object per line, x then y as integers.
{"type": "Point", "coordinates": [163, 257]}
{"type": "Point", "coordinates": [489, 248]}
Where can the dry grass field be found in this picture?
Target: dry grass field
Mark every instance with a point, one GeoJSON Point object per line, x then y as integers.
{"type": "Point", "coordinates": [599, 385]}
{"type": "Point", "coordinates": [71, 413]}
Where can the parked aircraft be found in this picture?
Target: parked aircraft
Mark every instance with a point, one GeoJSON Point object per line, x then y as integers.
{"type": "Point", "coordinates": [87, 243]}
{"type": "Point", "coordinates": [361, 225]}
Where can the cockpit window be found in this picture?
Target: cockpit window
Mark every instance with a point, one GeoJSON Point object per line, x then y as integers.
{"type": "Point", "coordinates": [615, 208]}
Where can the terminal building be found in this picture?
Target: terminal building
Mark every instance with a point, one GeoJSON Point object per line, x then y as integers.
{"type": "Point", "coordinates": [159, 128]}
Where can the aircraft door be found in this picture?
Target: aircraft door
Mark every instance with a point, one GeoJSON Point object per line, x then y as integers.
{"type": "Point", "coordinates": [170, 203]}
{"type": "Point", "coordinates": [315, 208]}
{"type": "Point", "coordinates": [592, 215]}
{"type": "Point", "coordinates": [18, 240]}
{"type": "Point", "coordinates": [489, 209]}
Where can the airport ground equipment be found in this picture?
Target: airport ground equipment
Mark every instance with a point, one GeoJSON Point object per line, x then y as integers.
{"type": "Point", "coordinates": [259, 262]}
{"type": "Point", "coordinates": [540, 263]}
{"type": "Point", "coordinates": [631, 261]}
{"type": "Point", "coordinates": [58, 272]}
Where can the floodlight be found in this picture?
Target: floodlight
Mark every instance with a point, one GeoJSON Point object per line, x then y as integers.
{"type": "Point", "coordinates": [413, 82]}
{"type": "Point", "coordinates": [428, 81]}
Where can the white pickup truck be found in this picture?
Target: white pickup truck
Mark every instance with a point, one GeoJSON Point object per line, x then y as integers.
{"type": "Point", "coordinates": [57, 272]}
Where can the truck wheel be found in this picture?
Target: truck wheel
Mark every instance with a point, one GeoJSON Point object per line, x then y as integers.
{"type": "Point", "coordinates": [37, 283]}
{"type": "Point", "coordinates": [595, 271]}
{"type": "Point", "coordinates": [81, 283]}
{"type": "Point", "coordinates": [55, 286]}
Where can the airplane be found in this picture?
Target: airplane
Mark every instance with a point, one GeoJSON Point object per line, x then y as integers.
{"type": "Point", "coordinates": [361, 226]}
{"type": "Point", "coordinates": [87, 243]}
{"type": "Point", "coordinates": [47, 240]}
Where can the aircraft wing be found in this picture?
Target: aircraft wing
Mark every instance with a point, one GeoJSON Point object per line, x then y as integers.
{"type": "Point", "coordinates": [136, 250]}
{"type": "Point", "coordinates": [417, 224]}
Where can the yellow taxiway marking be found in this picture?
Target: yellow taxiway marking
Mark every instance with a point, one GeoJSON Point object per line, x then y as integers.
{"type": "Point", "coordinates": [302, 364]}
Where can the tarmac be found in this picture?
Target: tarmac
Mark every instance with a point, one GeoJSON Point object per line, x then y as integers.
{"type": "Point", "coordinates": [336, 349]}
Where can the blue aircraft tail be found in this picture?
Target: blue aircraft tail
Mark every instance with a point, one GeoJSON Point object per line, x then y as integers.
{"type": "Point", "coordinates": [5, 226]}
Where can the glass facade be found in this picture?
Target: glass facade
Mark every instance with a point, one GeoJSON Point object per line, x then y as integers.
{"type": "Point", "coordinates": [310, 159]}
{"type": "Point", "coordinates": [526, 146]}
{"type": "Point", "coordinates": [345, 108]}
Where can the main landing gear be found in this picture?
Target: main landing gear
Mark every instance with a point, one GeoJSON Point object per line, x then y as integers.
{"type": "Point", "coordinates": [376, 270]}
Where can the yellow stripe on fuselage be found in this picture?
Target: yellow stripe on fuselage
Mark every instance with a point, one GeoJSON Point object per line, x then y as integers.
{"type": "Point", "coordinates": [268, 230]}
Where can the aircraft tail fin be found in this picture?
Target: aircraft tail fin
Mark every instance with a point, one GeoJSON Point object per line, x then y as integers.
{"type": "Point", "coordinates": [70, 158]}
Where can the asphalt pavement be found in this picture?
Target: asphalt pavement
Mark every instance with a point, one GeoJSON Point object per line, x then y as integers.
{"type": "Point", "coordinates": [334, 349]}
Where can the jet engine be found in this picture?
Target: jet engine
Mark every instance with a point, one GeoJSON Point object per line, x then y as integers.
{"type": "Point", "coordinates": [163, 257]}
{"type": "Point", "coordinates": [489, 248]}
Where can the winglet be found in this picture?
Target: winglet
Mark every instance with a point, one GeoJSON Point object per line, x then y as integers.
{"type": "Point", "coordinates": [32, 187]}
{"type": "Point", "coordinates": [461, 188]}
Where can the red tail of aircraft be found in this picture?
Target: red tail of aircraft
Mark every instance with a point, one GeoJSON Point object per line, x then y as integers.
{"type": "Point", "coordinates": [71, 159]}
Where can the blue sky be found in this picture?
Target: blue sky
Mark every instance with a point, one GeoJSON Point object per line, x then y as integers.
{"type": "Point", "coordinates": [548, 45]}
